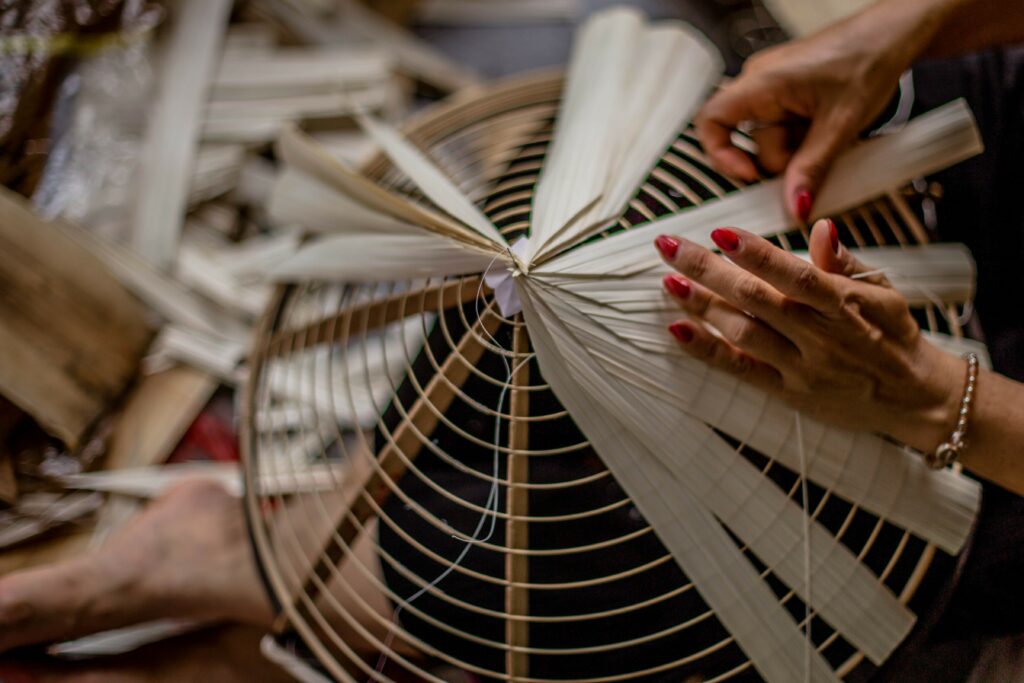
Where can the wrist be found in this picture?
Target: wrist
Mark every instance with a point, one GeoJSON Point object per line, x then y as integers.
{"type": "Point", "coordinates": [933, 417]}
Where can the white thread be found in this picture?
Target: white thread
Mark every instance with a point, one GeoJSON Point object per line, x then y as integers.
{"type": "Point", "coordinates": [861, 276]}
{"type": "Point", "coordinates": [290, 662]}
{"type": "Point", "coordinates": [903, 107]}
{"type": "Point", "coordinates": [491, 506]}
{"type": "Point", "coordinates": [809, 644]}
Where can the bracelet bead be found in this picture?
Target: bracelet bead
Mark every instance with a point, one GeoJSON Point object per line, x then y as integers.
{"type": "Point", "coordinates": [948, 452]}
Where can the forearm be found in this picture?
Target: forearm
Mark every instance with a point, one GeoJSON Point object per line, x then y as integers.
{"type": "Point", "coordinates": [945, 28]}
{"type": "Point", "coordinates": [971, 25]}
{"type": "Point", "coordinates": [905, 31]}
{"type": "Point", "coordinates": [995, 435]}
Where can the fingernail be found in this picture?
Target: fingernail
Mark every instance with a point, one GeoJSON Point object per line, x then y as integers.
{"type": "Point", "coordinates": [726, 239]}
{"type": "Point", "coordinates": [682, 332]}
{"type": "Point", "coordinates": [803, 204]}
{"type": "Point", "coordinates": [833, 234]}
{"type": "Point", "coordinates": [676, 285]}
{"type": "Point", "coordinates": [668, 246]}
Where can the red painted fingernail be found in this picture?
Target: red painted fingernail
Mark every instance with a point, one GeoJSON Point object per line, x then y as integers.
{"type": "Point", "coordinates": [803, 204]}
{"type": "Point", "coordinates": [833, 234]}
{"type": "Point", "coordinates": [726, 239]}
{"type": "Point", "coordinates": [682, 332]}
{"type": "Point", "coordinates": [676, 285]}
{"type": "Point", "coordinates": [668, 246]}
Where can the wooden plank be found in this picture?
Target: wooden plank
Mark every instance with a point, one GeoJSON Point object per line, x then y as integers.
{"type": "Point", "coordinates": [71, 336]}
{"type": "Point", "coordinates": [155, 417]}
{"type": "Point", "coordinates": [164, 294]}
{"type": "Point", "coordinates": [371, 489]}
{"type": "Point", "coordinates": [517, 503]}
{"type": "Point", "coordinates": [169, 148]}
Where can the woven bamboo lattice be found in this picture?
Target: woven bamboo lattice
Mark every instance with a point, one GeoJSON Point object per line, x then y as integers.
{"type": "Point", "coordinates": [403, 384]}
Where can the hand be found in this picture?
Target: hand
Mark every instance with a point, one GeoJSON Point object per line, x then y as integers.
{"type": "Point", "coordinates": [185, 556]}
{"type": "Point", "coordinates": [809, 99]}
{"type": "Point", "coordinates": [837, 348]}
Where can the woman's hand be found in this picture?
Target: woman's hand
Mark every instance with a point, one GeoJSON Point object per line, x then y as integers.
{"type": "Point", "coordinates": [831, 339]}
{"type": "Point", "coordinates": [806, 100]}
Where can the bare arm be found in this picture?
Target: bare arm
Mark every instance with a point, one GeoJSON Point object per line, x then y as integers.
{"type": "Point", "coordinates": [995, 436]}
{"type": "Point", "coordinates": [811, 97]}
{"type": "Point", "coordinates": [970, 25]}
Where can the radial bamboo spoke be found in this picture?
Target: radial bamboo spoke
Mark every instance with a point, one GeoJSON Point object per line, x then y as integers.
{"type": "Point", "coordinates": [334, 329]}
{"type": "Point", "coordinates": [517, 568]}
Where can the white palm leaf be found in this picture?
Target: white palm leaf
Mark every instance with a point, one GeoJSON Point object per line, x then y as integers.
{"type": "Point", "coordinates": [931, 142]}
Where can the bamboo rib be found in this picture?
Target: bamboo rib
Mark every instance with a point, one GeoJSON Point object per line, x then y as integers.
{"type": "Point", "coordinates": [374, 315]}
{"type": "Point", "coordinates": [517, 568]}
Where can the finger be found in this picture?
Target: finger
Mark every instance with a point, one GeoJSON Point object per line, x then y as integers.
{"type": "Point", "coordinates": [716, 139]}
{"type": "Point", "coordinates": [828, 135]}
{"type": "Point", "coordinates": [743, 290]}
{"type": "Point", "coordinates": [722, 114]}
{"type": "Point", "coordinates": [773, 147]}
{"type": "Point", "coordinates": [828, 253]}
{"type": "Point", "coordinates": [698, 341]}
{"type": "Point", "coordinates": [739, 329]}
{"type": "Point", "coordinates": [790, 275]}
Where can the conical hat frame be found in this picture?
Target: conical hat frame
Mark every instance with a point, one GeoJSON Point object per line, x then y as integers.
{"type": "Point", "coordinates": [467, 133]}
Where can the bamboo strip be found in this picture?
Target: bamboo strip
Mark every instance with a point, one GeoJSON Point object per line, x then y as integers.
{"type": "Point", "coordinates": [376, 314]}
{"type": "Point", "coordinates": [929, 143]}
{"type": "Point", "coordinates": [517, 505]}
{"type": "Point", "coordinates": [169, 149]}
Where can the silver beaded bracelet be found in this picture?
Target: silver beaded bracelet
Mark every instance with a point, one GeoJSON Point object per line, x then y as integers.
{"type": "Point", "coordinates": [947, 453]}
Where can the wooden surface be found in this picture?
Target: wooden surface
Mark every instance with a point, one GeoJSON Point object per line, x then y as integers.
{"type": "Point", "coordinates": [157, 414]}
{"type": "Point", "coordinates": [71, 337]}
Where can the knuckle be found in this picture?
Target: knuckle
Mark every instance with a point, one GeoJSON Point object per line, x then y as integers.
{"type": "Point", "coordinates": [695, 262]}
{"type": "Point", "coordinates": [806, 280]}
{"type": "Point", "coordinates": [813, 169]}
{"type": "Point", "coordinates": [874, 335]}
{"type": "Point", "coordinates": [849, 306]}
{"type": "Point", "coordinates": [713, 352]}
{"type": "Point", "coordinates": [724, 358]}
{"type": "Point", "coordinates": [764, 260]}
{"type": "Point", "coordinates": [742, 364]}
{"type": "Point", "coordinates": [745, 333]}
{"type": "Point", "coordinates": [697, 303]}
{"type": "Point", "coordinates": [750, 291]}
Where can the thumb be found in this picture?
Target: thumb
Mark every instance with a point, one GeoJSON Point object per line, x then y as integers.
{"type": "Point", "coordinates": [828, 253]}
{"type": "Point", "coordinates": [827, 136]}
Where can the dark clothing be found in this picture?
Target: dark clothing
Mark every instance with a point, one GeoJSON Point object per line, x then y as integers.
{"type": "Point", "coordinates": [981, 206]}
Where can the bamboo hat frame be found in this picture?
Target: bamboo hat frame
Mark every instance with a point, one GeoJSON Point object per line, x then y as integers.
{"type": "Point", "coordinates": [503, 566]}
